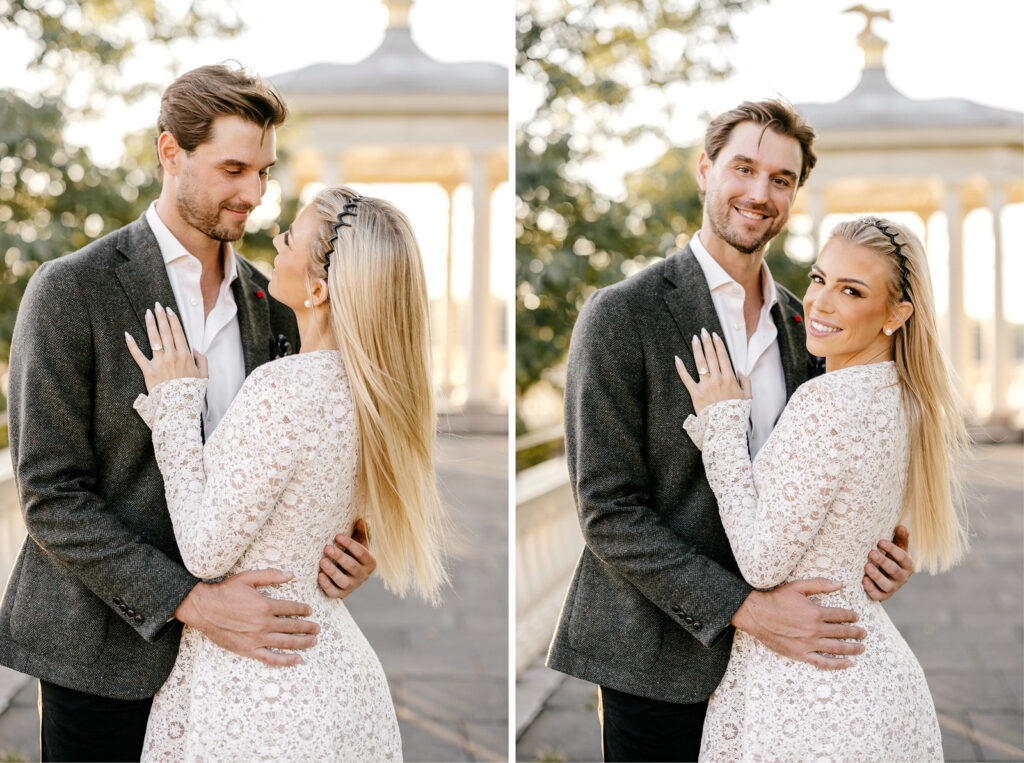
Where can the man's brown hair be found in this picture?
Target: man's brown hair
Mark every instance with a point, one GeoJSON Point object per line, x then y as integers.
{"type": "Point", "coordinates": [775, 115]}
{"type": "Point", "coordinates": [192, 102]}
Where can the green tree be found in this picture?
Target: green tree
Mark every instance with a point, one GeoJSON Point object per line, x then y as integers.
{"type": "Point", "coordinates": [590, 62]}
{"type": "Point", "coordinates": [53, 200]}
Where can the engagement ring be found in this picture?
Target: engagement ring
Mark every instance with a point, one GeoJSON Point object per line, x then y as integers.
{"type": "Point", "coordinates": [158, 347]}
{"type": "Point", "coordinates": [702, 370]}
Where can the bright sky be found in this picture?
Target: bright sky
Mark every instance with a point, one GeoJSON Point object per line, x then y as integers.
{"type": "Point", "coordinates": [277, 41]}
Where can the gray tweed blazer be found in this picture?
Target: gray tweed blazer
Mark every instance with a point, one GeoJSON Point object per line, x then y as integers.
{"type": "Point", "coordinates": [91, 599]}
{"type": "Point", "coordinates": [650, 602]}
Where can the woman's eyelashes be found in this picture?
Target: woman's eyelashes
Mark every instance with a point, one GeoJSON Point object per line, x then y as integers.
{"type": "Point", "coordinates": [852, 291]}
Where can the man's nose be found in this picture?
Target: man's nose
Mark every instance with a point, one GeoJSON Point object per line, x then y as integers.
{"type": "Point", "coordinates": [759, 189]}
{"type": "Point", "coordinates": [252, 191]}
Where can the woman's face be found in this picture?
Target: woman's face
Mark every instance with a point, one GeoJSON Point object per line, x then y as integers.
{"type": "Point", "coordinates": [847, 306]}
{"type": "Point", "coordinates": [291, 266]}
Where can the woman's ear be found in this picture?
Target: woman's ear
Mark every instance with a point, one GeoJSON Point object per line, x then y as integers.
{"type": "Point", "coordinates": [900, 314]}
{"type": "Point", "coordinates": [319, 291]}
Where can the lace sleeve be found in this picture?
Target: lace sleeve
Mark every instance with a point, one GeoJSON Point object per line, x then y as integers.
{"type": "Point", "coordinates": [219, 497]}
{"type": "Point", "coordinates": [769, 532]}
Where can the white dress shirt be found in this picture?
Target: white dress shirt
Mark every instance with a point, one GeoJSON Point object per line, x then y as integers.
{"type": "Point", "coordinates": [759, 359]}
{"type": "Point", "coordinates": [217, 335]}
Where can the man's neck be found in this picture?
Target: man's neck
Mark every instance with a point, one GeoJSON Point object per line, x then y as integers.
{"type": "Point", "coordinates": [198, 244]}
{"type": "Point", "coordinates": [744, 269]}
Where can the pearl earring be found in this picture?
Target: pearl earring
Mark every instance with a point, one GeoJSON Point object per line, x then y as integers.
{"type": "Point", "coordinates": [307, 303]}
{"type": "Point", "coordinates": [888, 332]}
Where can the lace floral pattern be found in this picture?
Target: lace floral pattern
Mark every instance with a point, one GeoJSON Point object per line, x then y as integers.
{"type": "Point", "coordinates": [272, 486]}
{"type": "Point", "coordinates": [821, 492]}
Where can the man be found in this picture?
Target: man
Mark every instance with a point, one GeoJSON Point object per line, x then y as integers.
{"type": "Point", "coordinates": [97, 597]}
{"type": "Point", "coordinates": [650, 611]}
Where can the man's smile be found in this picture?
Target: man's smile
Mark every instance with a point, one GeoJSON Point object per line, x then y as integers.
{"type": "Point", "coordinates": [751, 214]}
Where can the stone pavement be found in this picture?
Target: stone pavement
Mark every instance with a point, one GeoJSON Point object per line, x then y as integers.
{"type": "Point", "coordinates": [447, 667]}
{"type": "Point", "coordinates": [966, 627]}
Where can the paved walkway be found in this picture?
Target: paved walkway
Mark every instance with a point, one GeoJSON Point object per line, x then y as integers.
{"type": "Point", "coordinates": [447, 667]}
{"type": "Point", "coordinates": [965, 626]}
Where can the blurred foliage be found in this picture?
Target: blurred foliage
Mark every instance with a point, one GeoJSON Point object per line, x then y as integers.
{"type": "Point", "coordinates": [85, 49]}
{"type": "Point", "coordinates": [53, 200]}
{"type": "Point", "coordinates": [592, 63]}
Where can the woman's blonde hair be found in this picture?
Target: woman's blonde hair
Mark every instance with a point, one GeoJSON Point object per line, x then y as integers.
{"type": "Point", "coordinates": [377, 295]}
{"type": "Point", "coordinates": [938, 437]}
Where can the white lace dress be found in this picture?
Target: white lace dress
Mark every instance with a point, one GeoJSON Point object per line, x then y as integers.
{"type": "Point", "coordinates": [271, 488]}
{"type": "Point", "coordinates": [824, 488]}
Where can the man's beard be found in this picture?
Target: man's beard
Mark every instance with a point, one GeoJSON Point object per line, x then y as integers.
{"type": "Point", "coordinates": [719, 217]}
{"type": "Point", "coordinates": [204, 220]}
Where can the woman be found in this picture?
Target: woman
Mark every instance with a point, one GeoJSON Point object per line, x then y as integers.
{"type": "Point", "coordinates": [872, 439]}
{"type": "Point", "coordinates": [342, 431]}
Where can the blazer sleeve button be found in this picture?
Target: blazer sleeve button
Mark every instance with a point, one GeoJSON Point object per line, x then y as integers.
{"type": "Point", "coordinates": [139, 619]}
{"type": "Point", "coordinates": [696, 625]}
{"type": "Point", "coordinates": [130, 613]}
{"type": "Point", "coordinates": [117, 599]}
{"type": "Point", "coordinates": [676, 608]}
{"type": "Point", "coordinates": [123, 607]}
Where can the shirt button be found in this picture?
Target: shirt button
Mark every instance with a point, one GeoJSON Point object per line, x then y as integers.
{"type": "Point", "coordinates": [193, 301]}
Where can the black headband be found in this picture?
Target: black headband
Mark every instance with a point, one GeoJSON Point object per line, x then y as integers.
{"type": "Point", "coordinates": [899, 252]}
{"type": "Point", "coordinates": [349, 210]}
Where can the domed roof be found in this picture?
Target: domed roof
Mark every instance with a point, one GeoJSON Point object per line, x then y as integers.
{"type": "Point", "coordinates": [875, 104]}
{"type": "Point", "coordinates": [397, 66]}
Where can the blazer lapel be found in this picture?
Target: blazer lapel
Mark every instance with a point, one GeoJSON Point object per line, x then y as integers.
{"type": "Point", "coordinates": [253, 318]}
{"type": "Point", "coordinates": [792, 345]}
{"type": "Point", "coordinates": [690, 301]}
{"type": "Point", "coordinates": [143, 275]}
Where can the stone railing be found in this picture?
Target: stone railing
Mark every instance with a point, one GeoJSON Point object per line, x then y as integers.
{"type": "Point", "coordinates": [548, 544]}
{"type": "Point", "coordinates": [12, 526]}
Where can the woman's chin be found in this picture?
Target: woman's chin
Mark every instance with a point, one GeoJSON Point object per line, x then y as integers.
{"type": "Point", "coordinates": [816, 347]}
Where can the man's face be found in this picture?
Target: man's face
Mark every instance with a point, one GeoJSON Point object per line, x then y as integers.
{"type": "Point", "coordinates": [223, 179]}
{"type": "Point", "coordinates": [749, 189]}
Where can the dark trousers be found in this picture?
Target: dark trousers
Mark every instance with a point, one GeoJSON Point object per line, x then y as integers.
{"type": "Point", "coordinates": [80, 726]}
{"type": "Point", "coordinates": [641, 729]}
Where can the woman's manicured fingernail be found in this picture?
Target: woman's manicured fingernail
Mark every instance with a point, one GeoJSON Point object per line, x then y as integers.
{"type": "Point", "coordinates": [169, 310]}
{"type": "Point", "coordinates": [149, 313]}
{"type": "Point", "coordinates": [715, 335]}
{"type": "Point", "coordinates": [678, 361]}
{"type": "Point", "coordinates": [159, 309]}
{"type": "Point", "coordinates": [695, 339]}
{"type": "Point", "coordinates": [128, 337]}
{"type": "Point", "coordinates": [704, 333]}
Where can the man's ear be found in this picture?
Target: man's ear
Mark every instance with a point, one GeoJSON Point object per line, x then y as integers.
{"type": "Point", "coordinates": [703, 169]}
{"type": "Point", "coordinates": [169, 153]}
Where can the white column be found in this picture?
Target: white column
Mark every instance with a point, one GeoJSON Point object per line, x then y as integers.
{"type": "Point", "coordinates": [450, 336]}
{"type": "Point", "coordinates": [330, 172]}
{"type": "Point", "coordinates": [1000, 350]}
{"type": "Point", "coordinates": [957, 318]}
{"type": "Point", "coordinates": [481, 336]}
{"type": "Point", "coordinates": [285, 181]}
{"type": "Point", "coordinates": [816, 209]}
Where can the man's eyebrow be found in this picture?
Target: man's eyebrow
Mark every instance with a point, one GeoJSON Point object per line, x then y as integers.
{"type": "Point", "coordinates": [240, 163]}
{"type": "Point", "coordinates": [743, 159]}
